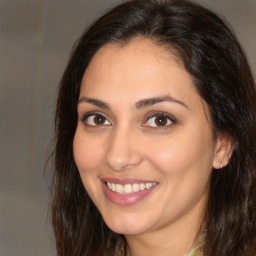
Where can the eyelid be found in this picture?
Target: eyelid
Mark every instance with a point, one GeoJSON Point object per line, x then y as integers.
{"type": "Point", "coordinates": [170, 117]}
{"type": "Point", "coordinates": [92, 113]}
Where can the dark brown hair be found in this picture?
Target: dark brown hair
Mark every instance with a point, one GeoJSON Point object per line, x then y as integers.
{"type": "Point", "coordinates": [212, 55]}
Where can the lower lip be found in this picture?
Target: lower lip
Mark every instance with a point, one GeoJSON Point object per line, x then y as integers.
{"type": "Point", "coordinates": [126, 199]}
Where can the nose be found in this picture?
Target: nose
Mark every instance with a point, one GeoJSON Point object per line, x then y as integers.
{"type": "Point", "coordinates": [123, 150]}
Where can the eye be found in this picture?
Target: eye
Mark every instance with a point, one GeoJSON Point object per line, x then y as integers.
{"type": "Point", "coordinates": [95, 119]}
{"type": "Point", "coordinates": [159, 120]}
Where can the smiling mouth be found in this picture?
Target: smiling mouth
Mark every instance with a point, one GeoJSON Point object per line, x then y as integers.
{"type": "Point", "coordinates": [129, 188]}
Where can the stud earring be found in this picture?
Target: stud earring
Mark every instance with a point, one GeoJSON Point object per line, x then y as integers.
{"type": "Point", "coordinates": [221, 166]}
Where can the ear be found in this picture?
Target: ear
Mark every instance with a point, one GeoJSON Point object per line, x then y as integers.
{"type": "Point", "coordinates": [223, 150]}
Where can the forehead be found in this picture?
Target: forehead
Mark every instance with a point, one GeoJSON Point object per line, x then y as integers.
{"type": "Point", "coordinates": [137, 64]}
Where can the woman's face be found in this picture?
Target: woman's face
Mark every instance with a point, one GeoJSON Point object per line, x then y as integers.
{"type": "Point", "coordinates": [144, 145]}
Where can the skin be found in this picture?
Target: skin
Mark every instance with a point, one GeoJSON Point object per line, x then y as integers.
{"type": "Point", "coordinates": [130, 144]}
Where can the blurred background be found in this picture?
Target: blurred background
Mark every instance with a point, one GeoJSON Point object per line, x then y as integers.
{"type": "Point", "coordinates": [36, 37]}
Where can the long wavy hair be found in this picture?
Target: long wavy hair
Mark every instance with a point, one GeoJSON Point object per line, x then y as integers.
{"type": "Point", "coordinates": [212, 55]}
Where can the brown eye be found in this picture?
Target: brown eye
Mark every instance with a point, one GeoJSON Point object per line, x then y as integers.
{"type": "Point", "coordinates": [96, 120]}
{"type": "Point", "coordinates": [159, 120]}
{"type": "Point", "coordinates": [99, 120]}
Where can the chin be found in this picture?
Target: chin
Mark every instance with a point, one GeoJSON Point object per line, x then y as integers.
{"type": "Point", "coordinates": [126, 226]}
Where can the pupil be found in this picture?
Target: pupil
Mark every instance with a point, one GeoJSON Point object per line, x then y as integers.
{"type": "Point", "coordinates": [99, 119]}
{"type": "Point", "coordinates": [161, 121]}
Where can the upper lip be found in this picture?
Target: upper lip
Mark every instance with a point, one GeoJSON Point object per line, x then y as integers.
{"type": "Point", "coordinates": [126, 181]}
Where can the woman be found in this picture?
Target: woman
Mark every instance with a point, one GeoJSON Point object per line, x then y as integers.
{"type": "Point", "coordinates": [155, 125]}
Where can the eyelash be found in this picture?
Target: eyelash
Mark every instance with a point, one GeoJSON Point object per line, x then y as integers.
{"type": "Point", "coordinates": [169, 118]}
{"type": "Point", "coordinates": [91, 114]}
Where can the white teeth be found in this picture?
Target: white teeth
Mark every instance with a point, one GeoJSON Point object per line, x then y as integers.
{"type": "Point", "coordinates": [142, 186]}
{"type": "Point", "coordinates": [136, 187]}
{"type": "Point", "coordinates": [129, 188]}
{"type": "Point", "coordinates": [149, 185]}
{"type": "Point", "coordinates": [119, 189]}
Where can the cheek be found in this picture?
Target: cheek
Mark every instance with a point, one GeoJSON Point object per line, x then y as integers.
{"type": "Point", "coordinates": [87, 158]}
{"type": "Point", "coordinates": [87, 153]}
{"type": "Point", "coordinates": [180, 154]}
{"type": "Point", "coordinates": [167, 154]}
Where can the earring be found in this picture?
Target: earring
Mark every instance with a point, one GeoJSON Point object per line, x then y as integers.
{"type": "Point", "coordinates": [221, 166]}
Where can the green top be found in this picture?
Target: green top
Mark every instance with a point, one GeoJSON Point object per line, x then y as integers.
{"type": "Point", "coordinates": [196, 249]}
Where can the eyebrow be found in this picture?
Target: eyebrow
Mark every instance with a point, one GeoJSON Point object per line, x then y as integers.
{"type": "Point", "coordinates": [140, 104]}
{"type": "Point", "coordinates": [95, 102]}
{"type": "Point", "coordinates": [151, 101]}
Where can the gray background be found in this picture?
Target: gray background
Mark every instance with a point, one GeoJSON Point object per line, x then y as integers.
{"type": "Point", "coordinates": [36, 37]}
